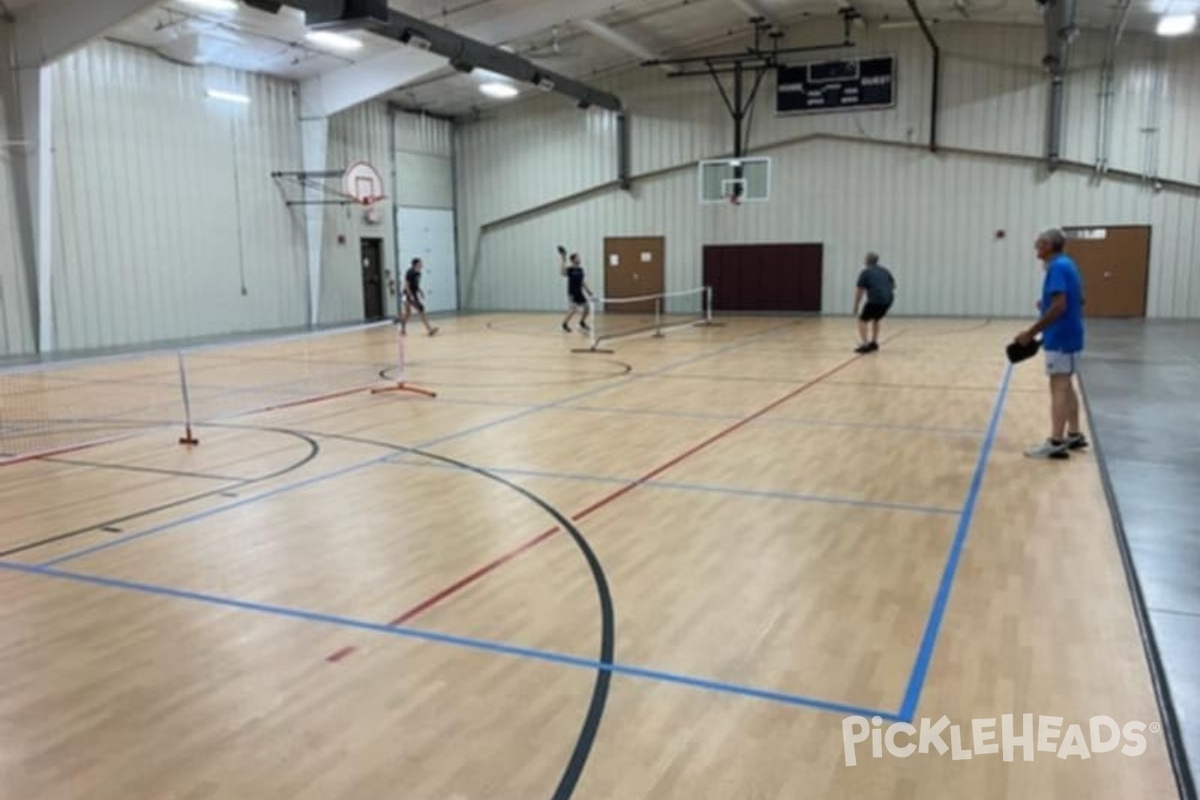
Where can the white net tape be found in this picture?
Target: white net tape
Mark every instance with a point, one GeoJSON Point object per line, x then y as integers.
{"type": "Point", "coordinates": [620, 317]}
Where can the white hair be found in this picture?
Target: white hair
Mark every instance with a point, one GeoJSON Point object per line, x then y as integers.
{"type": "Point", "coordinates": [1055, 238]}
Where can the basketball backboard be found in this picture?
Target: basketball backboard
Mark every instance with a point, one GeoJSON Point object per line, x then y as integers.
{"type": "Point", "coordinates": [363, 183]}
{"type": "Point", "coordinates": [743, 180]}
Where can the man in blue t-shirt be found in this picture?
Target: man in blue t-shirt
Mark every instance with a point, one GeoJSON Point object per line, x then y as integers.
{"type": "Point", "coordinates": [1061, 326]}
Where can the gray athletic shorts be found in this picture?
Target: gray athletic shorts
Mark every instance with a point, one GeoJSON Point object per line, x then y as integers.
{"type": "Point", "coordinates": [1060, 363]}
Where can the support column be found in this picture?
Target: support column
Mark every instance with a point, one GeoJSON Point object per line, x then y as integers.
{"type": "Point", "coordinates": [35, 87]}
{"type": "Point", "coordinates": [314, 139]}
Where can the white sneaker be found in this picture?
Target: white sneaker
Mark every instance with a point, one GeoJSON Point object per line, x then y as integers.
{"type": "Point", "coordinates": [1049, 449]}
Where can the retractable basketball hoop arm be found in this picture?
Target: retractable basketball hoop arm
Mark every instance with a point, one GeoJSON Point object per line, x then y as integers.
{"type": "Point", "coordinates": [757, 61]}
{"type": "Point", "coordinates": [314, 180]}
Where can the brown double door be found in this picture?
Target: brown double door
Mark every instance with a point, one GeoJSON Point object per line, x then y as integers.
{"type": "Point", "coordinates": [634, 266]}
{"type": "Point", "coordinates": [1114, 264]}
{"type": "Point", "coordinates": [765, 277]}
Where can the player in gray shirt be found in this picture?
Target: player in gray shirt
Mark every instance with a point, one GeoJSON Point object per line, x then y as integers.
{"type": "Point", "coordinates": [878, 287]}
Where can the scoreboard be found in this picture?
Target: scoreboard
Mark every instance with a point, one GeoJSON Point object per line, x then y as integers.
{"type": "Point", "coordinates": [850, 85]}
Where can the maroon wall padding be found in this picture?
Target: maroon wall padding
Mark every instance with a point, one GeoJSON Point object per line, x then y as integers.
{"type": "Point", "coordinates": [764, 277]}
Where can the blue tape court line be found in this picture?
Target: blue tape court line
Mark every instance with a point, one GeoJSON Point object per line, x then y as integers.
{"type": "Point", "coordinates": [916, 681]}
{"type": "Point", "coordinates": [449, 639]}
{"type": "Point", "coordinates": [379, 459]}
{"type": "Point", "coordinates": [166, 526]}
{"type": "Point", "coordinates": [799, 497]}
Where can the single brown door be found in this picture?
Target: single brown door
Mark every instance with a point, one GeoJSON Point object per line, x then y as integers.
{"type": "Point", "coordinates": [1114, 264]}
{"type": "Point", "coordinates": [634, 267]}
{"type": "Point", "coordinates": [372, 277]}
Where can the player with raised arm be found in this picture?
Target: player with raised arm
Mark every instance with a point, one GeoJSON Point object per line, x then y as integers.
{"type": "Point", "coordinates": [578, 291]}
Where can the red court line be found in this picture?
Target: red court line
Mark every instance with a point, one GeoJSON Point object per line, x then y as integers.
{"type": "Point", "coordinates": [340, 654]}
{"type": "Point", "coordinates": [74, 448]}
{"type": "Point", "coordinates": [305, 401]}
{"type": "Point", "coordinates": [475, 576]}
{"type": "Point", "coordinates": [467, 580]}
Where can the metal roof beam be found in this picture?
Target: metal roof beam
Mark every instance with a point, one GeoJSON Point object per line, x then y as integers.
{"type": "Point", "coordinates": [429, 47]}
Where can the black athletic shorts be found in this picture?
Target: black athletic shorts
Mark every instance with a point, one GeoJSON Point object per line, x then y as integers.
{"type": "Point", "coordinates": [873, 312]}
{"type": "Point", "coordinates": [578, 299]}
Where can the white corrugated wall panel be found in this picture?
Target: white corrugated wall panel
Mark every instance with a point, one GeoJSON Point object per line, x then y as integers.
{"type": "Point", "coordinates": [1179, 153]}
{"type": "Point", "coordinates": [934, 217]}
{"type": "Point", "coordinates": [420, 133]}
{"type": "Point", "coordinates": [360, 134]}
{"type": "Point", "coordinates": [17, 282]}
{"type": "Point", "coordinates": [424, 181]}
{"type": "Point", "coordinates": [164, 201]}
{"type": "Point", "coordinates": [850, 196]}
{"type": "Point", "coordinates": [424, 161]}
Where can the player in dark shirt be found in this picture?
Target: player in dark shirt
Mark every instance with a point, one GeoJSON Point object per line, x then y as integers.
{"type": "Point", "coordinates": [876, 284]}
{"type": "Point", "coordinates": [578, 291]}
{"type": "Point", "coordinates": [412, 297]}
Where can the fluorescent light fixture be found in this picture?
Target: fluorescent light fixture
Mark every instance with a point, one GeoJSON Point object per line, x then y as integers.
{"type": "Point", "coordinates": [500, 91]}
{"type": "Point", "coordinates": [337, 41]}
{"type": "Point", "coordinates": [230, 97]}
{"type": "Point", "coordinates": [223, 6]}
{"type": "Point", "coordinates": [1176, 25]}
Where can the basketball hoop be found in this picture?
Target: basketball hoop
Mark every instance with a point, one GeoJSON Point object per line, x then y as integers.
{"type": "Point", "coordinates": [363, 183]}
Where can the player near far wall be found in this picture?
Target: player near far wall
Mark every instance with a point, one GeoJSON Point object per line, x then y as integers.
{"type": "Point", "coordinates": [578, 291]}
{"type": "Point", "coordinates": [413, 296]}
{"type": "Point", "coordinates": [877, 285]}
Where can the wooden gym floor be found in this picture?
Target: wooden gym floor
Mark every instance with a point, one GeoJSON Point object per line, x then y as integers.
{"type": "Point", "coordinates": [670, 572]}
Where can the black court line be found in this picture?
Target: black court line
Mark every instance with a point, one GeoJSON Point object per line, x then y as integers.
{"type": "Point", "coordinates": [177, 473]}
{"type": "Point", "coordinates": [313, 449]}
{"type": "Point", "coordinates": [600, 690]}
{"type": "Point", "coordinates": [475, 365]}
{"type": "Point", "coordinates": [1176, 750]}
{"type": "Point", "coordinates": [390, 375]}
{"type": "Point", "coordinates": [788, 379]}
